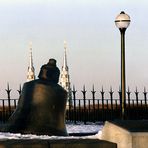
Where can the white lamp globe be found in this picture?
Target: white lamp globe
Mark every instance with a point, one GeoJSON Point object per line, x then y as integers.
{"type": "Point", "coordinates": [122, 21]}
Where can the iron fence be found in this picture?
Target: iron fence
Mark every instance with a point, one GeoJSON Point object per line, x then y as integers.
{"type": "Point", "coordinates": [93, 109]}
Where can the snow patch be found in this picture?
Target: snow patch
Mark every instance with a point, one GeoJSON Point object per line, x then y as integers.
{"type": "Point", "coordinates": [71, 128]}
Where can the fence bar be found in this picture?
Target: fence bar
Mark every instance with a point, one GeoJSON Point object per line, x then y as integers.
{"type": "Point", "coordinates": [93, 96]}
{"type": "Point", "coordinates": [145, 96]}
{"type": "Point", "coordinates": [128, 96]}
{"type": "Point", "coordinates": [8, 90]}
{"type": "Point", "coordinates": [84, 99]}
{"type": "Point", "coordinates": [74, 98]}
{"type": "Point", "coordinates": [136, 93]}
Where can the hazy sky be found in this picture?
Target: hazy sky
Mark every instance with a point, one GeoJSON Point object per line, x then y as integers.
{"type": "Point", "coordinates": [89, 29]}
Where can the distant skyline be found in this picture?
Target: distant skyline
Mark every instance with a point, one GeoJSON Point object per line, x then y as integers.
{"type": "Point", "coordinates": [92, 38]}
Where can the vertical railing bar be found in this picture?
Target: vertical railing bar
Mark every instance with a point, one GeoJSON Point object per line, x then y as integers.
{"type": "Point", "coordinates": [74, 97]}
{"type": "Point", "coordinates": [111, 98]}
{"type": "Point", "coordinates": [145, 96]}
{"type": "Point", "coordinates": [136, 93]}
{"type": "Point", "coordinates": [102, 98]}
{"type": "Point", "coordinates": [93, 97]}
{"type": "Point", "coordinates": [84, 99]}
{"type": "Point", "coordinates": [8, 90]}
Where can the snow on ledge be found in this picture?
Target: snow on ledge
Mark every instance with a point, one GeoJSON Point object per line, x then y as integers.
{"type": "Point", "coordinates": [71, 128]}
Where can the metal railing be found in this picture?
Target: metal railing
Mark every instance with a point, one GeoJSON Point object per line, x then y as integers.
{"type": "Point", "coordinates": [91, 110]}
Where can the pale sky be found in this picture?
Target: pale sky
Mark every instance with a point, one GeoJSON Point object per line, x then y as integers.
{"type": "Point", "coordinates": [92, 37]}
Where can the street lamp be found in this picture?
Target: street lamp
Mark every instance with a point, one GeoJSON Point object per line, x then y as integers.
{"type": "Point", "coordinates": [122, 21]}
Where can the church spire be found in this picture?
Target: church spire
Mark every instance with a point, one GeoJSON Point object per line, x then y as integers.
{"type": "Point", "coordinates": [31, 70]}
{"type": "Point", "coordinates": [64, 77]}
{"type": "Point", "coordinates": [65, 56]}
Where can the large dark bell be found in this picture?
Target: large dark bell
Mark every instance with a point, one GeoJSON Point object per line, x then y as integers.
{"type": "Point", "coordinates": [41, 107]}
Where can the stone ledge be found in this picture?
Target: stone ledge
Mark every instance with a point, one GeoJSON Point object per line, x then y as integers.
{"type": "Point", "coordinates": [59, 143]}
{"type": "Point", "coordinates": [127, 134]}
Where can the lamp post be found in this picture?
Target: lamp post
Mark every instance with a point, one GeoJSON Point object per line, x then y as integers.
{"type": "Point", "coordinates": [122, 21]}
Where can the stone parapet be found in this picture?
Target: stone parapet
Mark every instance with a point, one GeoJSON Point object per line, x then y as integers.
{"type": "Point", "coordinates": [127, 134]}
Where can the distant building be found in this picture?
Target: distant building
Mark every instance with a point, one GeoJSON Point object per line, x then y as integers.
{"type": "Point", "coordinates": [31, 70]}
{"type": "Point", "coordinates": [65, 78]}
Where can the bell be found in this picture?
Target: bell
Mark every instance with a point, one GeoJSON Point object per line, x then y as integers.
{"type": "Point", "coordinates": [41, 106]}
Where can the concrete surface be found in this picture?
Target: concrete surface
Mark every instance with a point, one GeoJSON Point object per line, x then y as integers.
{"type": "Point", "coordinates": [127, 134]}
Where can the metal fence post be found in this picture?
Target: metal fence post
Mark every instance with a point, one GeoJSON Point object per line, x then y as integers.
{"type": "Point", "coordinates": [74, 98]}
{"type": "Point", "coordinates": [84, 99]}
{"type": "Point", "coordinates": [8, 90]}
{"type": "Point", "coordinates": [93, 97]}
{"type": "Point", "coordinates": [102, 98]}
{"type": "Point", "coordinates": [145, 97]}
{"type": "Point", "coordinates": [111, 97]}
{"type": "Point", "coordinates": [136, 93]}
{"type": "Point", "coordinates": [128, 95]}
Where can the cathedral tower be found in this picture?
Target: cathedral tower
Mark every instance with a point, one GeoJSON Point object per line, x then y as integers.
{"type": "Point", "coordinates": [64, 77]}
{"type": "Point", "coordinates": [31, 70]}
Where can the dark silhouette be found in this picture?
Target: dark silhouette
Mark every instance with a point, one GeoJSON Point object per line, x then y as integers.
{"type": "Point", "coordinates": [41, 107]}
